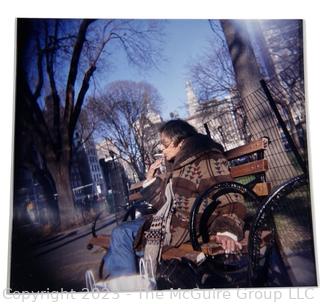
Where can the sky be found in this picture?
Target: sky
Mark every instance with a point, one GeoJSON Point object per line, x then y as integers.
{"type": "Point", "coordinates": [184, 40]}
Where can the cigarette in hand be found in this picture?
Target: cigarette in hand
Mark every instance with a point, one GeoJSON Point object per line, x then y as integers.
{"type": "Point", "coordinates": [162, 167]}
{"type": "Point", "coordinates": [158, 155]}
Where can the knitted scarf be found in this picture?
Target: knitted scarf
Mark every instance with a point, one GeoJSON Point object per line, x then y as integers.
{"type": "Point", "coordinates": [159, 233]}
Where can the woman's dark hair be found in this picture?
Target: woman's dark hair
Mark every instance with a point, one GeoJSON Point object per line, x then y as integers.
{"type": "Point", "coordinates": [177, 130]}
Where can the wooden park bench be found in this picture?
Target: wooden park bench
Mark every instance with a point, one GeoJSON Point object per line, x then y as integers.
{"type": "Point", "coordinates": [249, 161]}
{"type": "Point", "coordinates": [248, 166]}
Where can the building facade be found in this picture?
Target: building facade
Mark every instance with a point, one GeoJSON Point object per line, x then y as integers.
{"type": "Point", "coordinates": [216, 117]}
{"type": "Point", "coordinates": [86, 175]}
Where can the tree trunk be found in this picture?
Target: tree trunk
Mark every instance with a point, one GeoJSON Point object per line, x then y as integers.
{"type": "Point", "coordinates": [261, 119]}
{"type": "Point", "coordinates": [61, 175]}
{"type": "Point", "coordinates": [244, 62]}
{"type": "Point", "coordinates": [283, 96]}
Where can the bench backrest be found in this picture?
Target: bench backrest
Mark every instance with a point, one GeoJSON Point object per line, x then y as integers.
{"type": "Point", "coordinates": [244, 161]}
{"type": "Point", "coordinates": [248, 161]}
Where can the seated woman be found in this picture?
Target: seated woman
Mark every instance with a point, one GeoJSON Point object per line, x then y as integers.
{"type": "Point", "coordinates": [194, 162]}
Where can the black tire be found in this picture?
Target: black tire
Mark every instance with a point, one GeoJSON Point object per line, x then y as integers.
{"type": "Point", "coordinates": [265, 216]}
{"type": "Point", "coordinates": [213, 193]}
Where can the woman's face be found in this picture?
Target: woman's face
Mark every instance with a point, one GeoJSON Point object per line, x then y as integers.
{"type": "Point", "coordinates": [168, 149]}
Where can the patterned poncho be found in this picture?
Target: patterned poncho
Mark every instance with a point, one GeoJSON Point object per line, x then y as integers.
{"type": "Point", "coordinates": [199, 164]}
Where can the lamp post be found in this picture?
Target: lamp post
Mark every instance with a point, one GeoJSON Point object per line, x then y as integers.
{"type": "Point", "coordinates": [109, 192]}
{"type": "Point", "coordinates": [116, 192]}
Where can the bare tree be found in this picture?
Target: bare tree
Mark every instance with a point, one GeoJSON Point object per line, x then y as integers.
{"type": "Point", "coordinates": [59, 58]}
{"type": "Point", "coordinates": [212, 72]}
{"type": "Point", "coordinates": [124, 111]}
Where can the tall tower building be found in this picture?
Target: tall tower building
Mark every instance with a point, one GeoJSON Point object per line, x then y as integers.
{"type": "Point", "coordinates": [192, 101]}
{"type": "Point", "coordinates": [153, 116]}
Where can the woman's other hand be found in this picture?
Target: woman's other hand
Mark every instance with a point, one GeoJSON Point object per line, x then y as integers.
{"type": "Point", "coordinates": [228, 244]}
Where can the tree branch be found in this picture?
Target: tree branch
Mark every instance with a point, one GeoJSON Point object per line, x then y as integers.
{"type": "Point", "coordinates": [85, 87]}
{"type": "Point", "coordinates": [54, 93]}
{"type": "Point", "coordinates": [73, 71]}
{"type": "Point", "coordinates": [39, 85]}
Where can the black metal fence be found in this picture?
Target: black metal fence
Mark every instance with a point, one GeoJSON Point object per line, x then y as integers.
{"type": "Point", "coordinates": [277, 110]}
{"type": "Point", "coordinates": [242, 120]}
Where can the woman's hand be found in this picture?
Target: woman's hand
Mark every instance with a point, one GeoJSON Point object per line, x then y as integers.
{"type": "Point", "coordinates": [228, 244]}
{"type": "Point", "coordinates": [153, 168]}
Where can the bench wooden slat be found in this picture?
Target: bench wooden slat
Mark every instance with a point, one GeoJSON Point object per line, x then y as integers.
{"type": "Point", "coordinates": [257, 166]}
{"type": "Point", "coordinates": [135, 196]}
{"type": "Point", "coordinates": [178, 252]}
{"type": "Point", "coordinates": [102, 241]}
{"type": "Point", "coordinates": [136, 186]}
{"type": "Point", "coordinates": [262, 189]}
{"type": "Point", "coordinates": [252, 147]}
{"type": "Point", "coordinates": [246, 169]}
{"type": "Point", "coordinates": [212, 248]}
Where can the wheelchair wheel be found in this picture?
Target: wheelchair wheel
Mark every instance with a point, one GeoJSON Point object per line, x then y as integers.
{"type": "Point", "coordinates": [289, 207]}
{"type": "Point", "coordinates": [209, 200]}
{"type": "Point", "coordinates": [221, 271]}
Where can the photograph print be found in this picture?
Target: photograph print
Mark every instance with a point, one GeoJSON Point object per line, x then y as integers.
{"type": "Point", "coordinates": [160, 154]}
